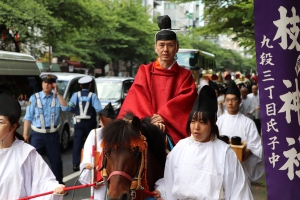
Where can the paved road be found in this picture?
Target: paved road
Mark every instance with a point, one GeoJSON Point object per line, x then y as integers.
{"type": "Point", "coordinates": [70, 177]}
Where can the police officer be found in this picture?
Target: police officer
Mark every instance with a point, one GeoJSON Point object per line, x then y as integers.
{"type": "Point", "coordinates": [86, 106]}
{"type": "Point", "coordinates": [42, 114]}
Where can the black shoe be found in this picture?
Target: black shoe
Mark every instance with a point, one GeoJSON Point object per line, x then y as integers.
{"type": "Point", "coordinates": [75, 168]}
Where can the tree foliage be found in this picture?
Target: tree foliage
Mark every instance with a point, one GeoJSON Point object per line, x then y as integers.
{"type": "Point", "coordinates": [232, 17]}
{"type": "Point", "coordinates": [98, 32]}
{"type": "Point", "coordinates": [101, 30]}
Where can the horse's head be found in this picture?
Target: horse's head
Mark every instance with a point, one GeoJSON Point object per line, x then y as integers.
{"type": "Point", "coordinates": [124, 157]}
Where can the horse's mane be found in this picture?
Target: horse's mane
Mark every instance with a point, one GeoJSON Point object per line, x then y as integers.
{"type": "Point", "coordinates": [155, 138]}
{"type": "Point", "coordinates": [119, 134]}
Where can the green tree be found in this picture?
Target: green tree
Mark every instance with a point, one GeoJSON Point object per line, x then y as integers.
{"type": "Point", "coordinates": [27, 18]}
{"type": "Point", "coordinates": [231, 17]}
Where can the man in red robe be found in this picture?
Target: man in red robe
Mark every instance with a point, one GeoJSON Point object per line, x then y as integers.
{"type": "Point", "coordinates": [162, 89]}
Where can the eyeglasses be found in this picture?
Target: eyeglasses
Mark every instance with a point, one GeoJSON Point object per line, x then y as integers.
{"type": "Point", "coordinates": [231, 100]}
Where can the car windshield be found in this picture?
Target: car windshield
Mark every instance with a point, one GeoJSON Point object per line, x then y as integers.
{"type": "Point", "coordinates": [109, 90]}
{"type": "Point", "coordinates": [62, 85]}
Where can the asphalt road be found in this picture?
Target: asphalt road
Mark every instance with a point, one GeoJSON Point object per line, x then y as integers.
{"type": "Point", "coordinates": [71, 177]}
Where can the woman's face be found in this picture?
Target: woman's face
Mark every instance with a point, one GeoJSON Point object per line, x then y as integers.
{"type": "Point", "coordinates": [200, 131]}
{"type": "Point", "coordinates": [5, 127]}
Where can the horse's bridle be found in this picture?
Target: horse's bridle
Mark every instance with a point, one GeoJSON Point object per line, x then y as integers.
{"type": "Point", "coordinates": [136, 180]}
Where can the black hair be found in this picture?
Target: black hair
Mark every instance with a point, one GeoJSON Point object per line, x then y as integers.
{"type": "Point", "coordinates": [85, 86]}
{"type": "Point", "coordinates": [205, 117]}
{"type": "Point", "coordinates": [12, 121]}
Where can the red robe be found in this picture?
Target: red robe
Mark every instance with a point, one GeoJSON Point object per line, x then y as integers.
{"type": "Point", "coordinates": [169, 93]}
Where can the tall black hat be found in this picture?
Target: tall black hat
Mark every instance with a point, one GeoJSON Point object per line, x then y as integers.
{"type": "Point", "coordinates": [233, 89]}
{"type": "Point", "coordinates": [108, 111]}
{"type": "Point", "coordinates": [10, 106]}
{"type": "Point", "coordinates": [165, 33]}
{"type": "Point", "coordinates": [206, 100]}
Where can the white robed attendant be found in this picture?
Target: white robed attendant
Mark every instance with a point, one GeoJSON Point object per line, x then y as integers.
{"type": "Point", "coordinates": [23, 172]}
{"type": "Point", "coordinates": [86, 175]}
{"type": "Point", "coordinates": [209, 170]}
{"type": "Point", "coordinates": [245, 105]}
{"type": "Point", "coordinates": [244, 127]}
{"type": "Point", "coordinates": [234, 123]}
{"type": "Point", "coordinates": [106, 116]}
{"type": "Point", "coordinates": [202, 166]}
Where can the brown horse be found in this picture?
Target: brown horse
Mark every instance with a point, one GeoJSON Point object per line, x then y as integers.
{"type": "Point", "coordinates": [134, 157]}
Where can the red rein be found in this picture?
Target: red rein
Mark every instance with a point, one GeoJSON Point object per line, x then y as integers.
{"type": "Point", "coordinates": [65, 189]}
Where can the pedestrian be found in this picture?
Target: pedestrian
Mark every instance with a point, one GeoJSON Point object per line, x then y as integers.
{"type": "Point", "coordinates": [23, 172]}
{"type": "Point", "coordinates": [245, 105]}
{"type": "Point", "coordinates": [202, 166]}
{"type": "Point", "coordinates": [162, 87]}
{"type": "Point", "coordinates": [106, 116]}
{"type": "Point", "coordinates": [42, 115]}
{"type": "Point", "coordinates": [255, 107]}
{"type": "Point", "coordinates": [85, 105]}
{"type": "Point", "coordinates": [234, 123]}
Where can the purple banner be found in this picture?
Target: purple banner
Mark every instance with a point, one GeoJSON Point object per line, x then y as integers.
{"type": "Point", "coordinates": [277, 40]}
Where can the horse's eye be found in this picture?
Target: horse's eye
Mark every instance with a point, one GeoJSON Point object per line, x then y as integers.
{"type": "Point", "coordinates": [136, 153]}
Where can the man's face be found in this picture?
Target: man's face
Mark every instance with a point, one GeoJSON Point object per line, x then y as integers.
{"type": "Point", "coordinates": [254, 89]}
{"type": "Point", "coordinates": [232, 103]}
{"type": "Point", "coordinates": [166, 49]}
{"type": "Point", "coordinates": [47, 87]}
{"type": "Point", "coordinates": [244, 93]}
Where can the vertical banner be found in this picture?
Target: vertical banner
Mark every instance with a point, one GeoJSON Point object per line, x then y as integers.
{"type": "Point", "coordinates": [277, 41]}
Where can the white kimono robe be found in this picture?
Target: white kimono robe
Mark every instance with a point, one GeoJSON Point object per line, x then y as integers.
{"type": "Point", "coordinates": [23, 172]}
{"type": "Point", "coordinates": [86, 176]}
{"type": "Point", "coordinates": [204, 171]}
{"type": "Point", "coordinates": [242, 126]}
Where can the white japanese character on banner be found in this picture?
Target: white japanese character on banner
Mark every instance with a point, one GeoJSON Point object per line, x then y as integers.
{"type": "Point", "coordinates": [271, 125]}
{"type": "Point", "coordinates": [270, 91]}
{"type": "Point", "coordinates": [266, 76]}
{"type": "Point", "coordinates": [266, 42]}
{"type": "Point", "coordinates": [283, 31]}
{"type": "Point", "coordinates": [297, 67]}
{"type": "Point", "coordinates": [274, 159]}
{"type": "Point", "coordinates": [291, 101]}
{"type": "Point", "coordinates": [271, 109]}
{"type": "Point", "coordinates": [274, 141]}
{"type": "Point", "coordinates": [293, 159]}
{"type": "Point", "coordinates": [266, 59]}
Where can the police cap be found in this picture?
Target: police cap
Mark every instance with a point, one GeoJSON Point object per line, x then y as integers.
{"type": "Point", "coordinates": [48, 78]}
{"type": "Point", "coordinates": [85, 80]}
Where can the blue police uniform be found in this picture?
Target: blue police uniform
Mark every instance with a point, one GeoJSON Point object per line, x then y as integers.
{"type": "Point", "coordinates": [43, 113]}
{"type": "Point", "coordinates": [85, 105]}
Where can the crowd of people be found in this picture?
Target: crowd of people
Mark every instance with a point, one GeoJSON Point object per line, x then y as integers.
{"type": "Point", "coordinates": [192, 121]}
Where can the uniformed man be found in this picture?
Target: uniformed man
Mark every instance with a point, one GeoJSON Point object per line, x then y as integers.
{"type": "Point", "coordinates": [86, 106]}
{"type": "Point", "coordinates": [42, 114]}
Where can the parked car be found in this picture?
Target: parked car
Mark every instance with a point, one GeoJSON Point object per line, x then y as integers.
{"type": "Point", "coordinates": [113, 89]}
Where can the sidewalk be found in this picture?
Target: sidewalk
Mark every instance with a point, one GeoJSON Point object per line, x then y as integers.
{"type": "Point", "coordinates": [258, 189]}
